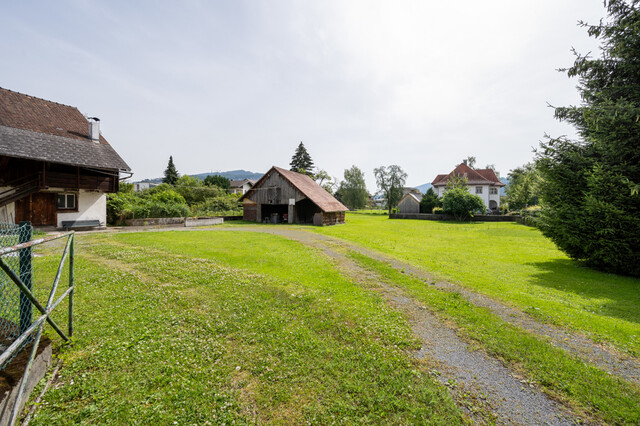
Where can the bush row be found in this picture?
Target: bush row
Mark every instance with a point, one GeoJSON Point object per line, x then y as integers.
{"type": "Point", "coordinates": [186, 198]}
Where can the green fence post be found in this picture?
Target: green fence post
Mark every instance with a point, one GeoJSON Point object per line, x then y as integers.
{"type": "Point", "coordinates": [71, 258]}
{"type": "Point", "coordinates": [26, 233]}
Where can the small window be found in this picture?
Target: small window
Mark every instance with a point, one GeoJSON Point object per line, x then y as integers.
{"type": "Point", "coordinates": [66, 201]}
{"type": "Point", "coordinates": [478, 190]}
{"type": "Point", "coordinates": [493, 191]}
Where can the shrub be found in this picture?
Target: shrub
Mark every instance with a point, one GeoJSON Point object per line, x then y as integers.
{"type": "Point", "coordinates": [169, 197]}
{"type": "Point", "coordinates": [227, 205]}
{"type": "Point", "coordinates": [461, 204]}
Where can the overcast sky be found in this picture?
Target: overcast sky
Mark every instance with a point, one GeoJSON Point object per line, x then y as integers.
{"type": "Point", "coordinates": [225, 85]}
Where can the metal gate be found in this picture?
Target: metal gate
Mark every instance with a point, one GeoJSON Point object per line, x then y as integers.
{"type": "Point", "coordinates": [18, 324]}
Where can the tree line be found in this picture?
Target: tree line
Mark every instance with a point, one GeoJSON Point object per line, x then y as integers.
{"type": "Point", "coordinates": [177, 196]}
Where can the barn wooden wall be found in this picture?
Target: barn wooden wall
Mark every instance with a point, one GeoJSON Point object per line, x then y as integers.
{"type": "Point", "coordinates": [409, 205]}
{"type": "Point", "coordinates": [276, 190]}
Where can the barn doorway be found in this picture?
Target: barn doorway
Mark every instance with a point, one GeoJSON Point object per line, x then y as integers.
{"type": "Point", "coordinates": [274, 213]}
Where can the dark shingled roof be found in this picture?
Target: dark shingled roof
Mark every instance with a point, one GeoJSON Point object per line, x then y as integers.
{"type": "Point", "coordinates": [38, 129]}
{"type": "Point", "coordinates": [57, 149]}
{"type": "Point", "coordinates": [239, 183]}
{"type": "Point", "coordinates": [320, 197]}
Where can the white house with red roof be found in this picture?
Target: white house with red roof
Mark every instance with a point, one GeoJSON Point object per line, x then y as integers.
{"type": "Point", "coordinates": [481, 182]}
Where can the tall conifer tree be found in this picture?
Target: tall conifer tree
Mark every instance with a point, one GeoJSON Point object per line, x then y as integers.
{"type": "Point", "coordinates": [170, 174]}
{"type": "Point", "coordinates": [591, 206]}
{"type": "Point", "coordinates": [301, 161]}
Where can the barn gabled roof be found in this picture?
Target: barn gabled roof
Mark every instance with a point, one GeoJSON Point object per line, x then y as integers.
{"type": "Point", "coordinates": [410, 195]}
{"type": "Point", "coordinates": [474, 176]}
{"type": "Point", "coordinates": [38, 129]}
{"type": "Point", "coordinates": [307, 186]}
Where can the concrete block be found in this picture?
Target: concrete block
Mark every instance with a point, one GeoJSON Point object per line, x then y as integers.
{"type": "Point", "coordinates": [38, 370]}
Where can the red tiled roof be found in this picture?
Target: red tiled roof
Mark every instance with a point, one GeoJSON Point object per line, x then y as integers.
{"type": "Point", "coordinates": [38, 115]}
{"type": "Point", "coordinates": [307, 186]}
{"type": "Point", "coordinates": [490, 175]}
{"type": "Point", "coordinates": [474, 176]}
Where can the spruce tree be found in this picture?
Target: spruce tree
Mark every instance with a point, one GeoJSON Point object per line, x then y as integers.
{"type": "Point", "coordinates": [301, 161]}
{"type": "Point", "coordinates": [590, 207]}
{"type": "Point", "coordinates": [170, 174]}
{"type": "Point", "coordinates": [429, 201]}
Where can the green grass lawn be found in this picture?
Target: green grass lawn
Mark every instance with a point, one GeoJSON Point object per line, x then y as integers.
{"type": "Point", "coordinates": [197, 327]}
{"type": "Point", "coordinates": [581, 385]}
{"type": "Point", "coordinates": [513, 263]}
{"type": "Point", "coordinates": [244, 327]}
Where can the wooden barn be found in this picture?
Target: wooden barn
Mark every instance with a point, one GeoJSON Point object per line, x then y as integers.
{"type": "Point", "coordinates": [285, 196]}
{"type": "Point", "coordinates": [410, 203]}
{"type": "Point", "coordinates": [55, 166]}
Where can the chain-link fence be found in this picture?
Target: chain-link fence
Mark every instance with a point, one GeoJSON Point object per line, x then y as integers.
{"type": "Point", "coordinates": [15, 308]}
{"type": "Point", "coordinates": [18, 303]}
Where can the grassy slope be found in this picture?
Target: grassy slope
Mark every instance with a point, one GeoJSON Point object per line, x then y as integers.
{"type": "Point", "coordinates": [164, 337]}
{"type": "Point", "coordinates": [513, 263]}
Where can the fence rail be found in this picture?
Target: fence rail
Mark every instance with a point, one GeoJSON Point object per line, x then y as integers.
{"type": "Point", "coordinates": [17, 299]}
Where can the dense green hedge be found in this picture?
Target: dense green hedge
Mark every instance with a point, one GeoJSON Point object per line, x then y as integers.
{"type": "Point", "coordinates": [191, 199]}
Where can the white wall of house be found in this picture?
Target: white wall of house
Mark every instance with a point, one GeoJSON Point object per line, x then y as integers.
{"type": "Point", "coordinates": [242, 189]}
{"type": "Point", "coordinates": [91, 205]}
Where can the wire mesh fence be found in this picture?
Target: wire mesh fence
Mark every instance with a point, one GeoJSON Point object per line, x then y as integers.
{"type": "Point", "coordinates": [23, 312]}
{"type": "Point", "coordinates": [15, 308]}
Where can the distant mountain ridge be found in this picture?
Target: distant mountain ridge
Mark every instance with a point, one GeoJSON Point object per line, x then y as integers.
{"type": "Point", "coordinates": [231, 175]}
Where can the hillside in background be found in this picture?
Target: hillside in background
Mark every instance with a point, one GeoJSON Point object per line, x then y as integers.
{"type": "Point", "coordinates": [424, 187]}
{"type": "Point", "coordinates": [231, 175]}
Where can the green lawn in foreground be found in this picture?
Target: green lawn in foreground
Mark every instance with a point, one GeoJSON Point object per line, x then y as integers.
{"type": "Point", "coordinates": [511, 262]}
{"type": "Point", "coordinates": [206, 336]}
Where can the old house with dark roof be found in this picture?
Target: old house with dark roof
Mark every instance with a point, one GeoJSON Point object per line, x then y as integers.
{"type": "Point", "coordinates": [241, 186]}
{"type": "Point", "coordinates": [55, 166]}
{"type": "Point", "coordinates": [285, 196]}
{"type": "Point", "coordinates": [481, 182]}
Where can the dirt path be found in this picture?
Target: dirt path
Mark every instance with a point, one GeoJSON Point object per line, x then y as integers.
{"type": "Point", "coordinates": [462, 369]}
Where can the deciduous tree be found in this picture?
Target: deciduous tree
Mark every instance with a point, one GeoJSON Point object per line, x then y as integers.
{"type": "Point", "coordinates": [461, 204]}
{"type": "Point", "coordinates": [390, 182]}
{"type": "Point", "coordinates": [323, 179]}
{"type": "Point", "coordinates": [217, 180]}
{"type": "Point", "coordinates": [353, 189]}
{"type": "Point", "coordinates": [523, 189]}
